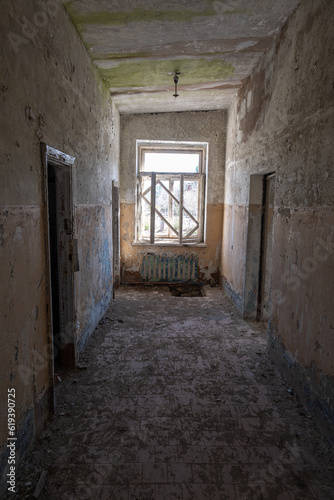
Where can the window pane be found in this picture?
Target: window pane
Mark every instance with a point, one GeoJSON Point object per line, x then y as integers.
{"type": "Point", "coordinates": [190, 208]}
{"type": "Point", "coordinates": [176, 205]}
{"type": "Point", "coordinates": [167, 207]}
{"type": "Point", "coordinates": [145, 207]}
{"type": "Point", "coordinates": [171, 162]}
{"type": "Point", "coordinates": [161, 205]}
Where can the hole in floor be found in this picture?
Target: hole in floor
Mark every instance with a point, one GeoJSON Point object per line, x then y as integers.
{"type": "Point", "coordinates": [187, 290]}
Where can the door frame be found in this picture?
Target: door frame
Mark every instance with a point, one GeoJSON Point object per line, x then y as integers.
{"type": "Point", "coordinates": [57, 158]}
{"type": "Point", "coordinates": [265, 236]}
{"type": "Point", "coordinates": [116, 236]}
{"type": "Point", "coordinates": [252, 271]}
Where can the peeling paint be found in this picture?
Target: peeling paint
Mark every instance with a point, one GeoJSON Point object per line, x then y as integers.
{"type": "Point", "coordinates": [135, 31]}
{"type": "Point", "coordinates": [314, 389]}
{"type": "Point", "coordinates": [119, 18]}
{"type": "Point", "coordinates": [282, 121]}
{"type": "Point", "coordinates": [81, 120]}
{"type": "Point", "coordinates": [126, 55]}
{"type": "Point", "coordinates": [94, 287]}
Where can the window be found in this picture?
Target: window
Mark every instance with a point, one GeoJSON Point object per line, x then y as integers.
{"type": "Point", "coordinates": [171, 192]}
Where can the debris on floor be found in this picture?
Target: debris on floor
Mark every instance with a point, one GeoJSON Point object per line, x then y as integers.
{"type": "Point", "coordinates": [186, 290]}
{"type": "Point", "coordinates": [177, 401]}
{"type": "Point", "coordinates": [40, 484]}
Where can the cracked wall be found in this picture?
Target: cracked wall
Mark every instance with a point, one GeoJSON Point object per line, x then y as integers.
{"type": "Point", "coordinates": [282, 120]}
{"type": "Point", "coordinates": [51, 93]}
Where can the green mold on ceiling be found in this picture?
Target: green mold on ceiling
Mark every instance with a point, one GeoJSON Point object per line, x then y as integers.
{"type": "Point", "coordinates": [137, 15]}
{"type": "Point", "coordinates": [109, 56]}
{"type": "Point", "coordinates": [160, 73]}
{"type": "Point", "coordinates": [118, 56]}
{"type": "Point", "coordinates": [236, 11]}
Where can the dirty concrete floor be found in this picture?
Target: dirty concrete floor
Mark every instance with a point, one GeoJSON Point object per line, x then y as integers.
{"type": "Point", "coordinates": [179, 402]}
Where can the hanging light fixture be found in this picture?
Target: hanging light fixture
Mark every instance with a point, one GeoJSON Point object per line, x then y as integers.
{"type": "Point", "coordinates": [176, 79]}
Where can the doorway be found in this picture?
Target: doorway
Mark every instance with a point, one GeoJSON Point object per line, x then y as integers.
{"type": "Point", "coordinates": [60, 246]}
{"type": "Point", "coordinates": [54, 269]}
{"type": "Point", "coordinates": [116, 236]}
{"type": "Point", "coordinates": [266, 252]}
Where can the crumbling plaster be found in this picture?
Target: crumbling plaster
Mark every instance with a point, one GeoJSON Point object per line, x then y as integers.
{"type": "Point", "coordinates": [54, 96]}
{"type": "Point", "coordinates": [282, 120]}
{"type": "Point", "coordinates": [138, 46]}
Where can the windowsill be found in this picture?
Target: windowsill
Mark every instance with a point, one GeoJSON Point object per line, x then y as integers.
{"type": "Point", "coordinates": [168, 244]}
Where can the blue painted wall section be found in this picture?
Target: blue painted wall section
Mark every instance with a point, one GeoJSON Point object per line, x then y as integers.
{"type": "Point", "coordinates": [94, 281]}
{"type": "Point", "coordinates": [317, 397]}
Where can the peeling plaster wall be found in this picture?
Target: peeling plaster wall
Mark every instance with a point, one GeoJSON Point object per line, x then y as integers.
{"type": "Point", "coordinates": [283, 121]}
{"type": "Point", "coordinates": [208, 127]}
{"type": "Point", "coordinates": [50, 92]}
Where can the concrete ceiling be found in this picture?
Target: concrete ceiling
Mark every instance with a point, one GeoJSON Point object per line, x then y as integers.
{"type": "Point", "coordinates": [138, 45]}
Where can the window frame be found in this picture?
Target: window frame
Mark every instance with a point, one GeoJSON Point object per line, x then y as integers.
{"type": "Point", "coordinates": [200, 148]}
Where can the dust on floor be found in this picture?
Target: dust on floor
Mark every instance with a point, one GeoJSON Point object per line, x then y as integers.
{"type": "Point", "coordinates": [176, 399]}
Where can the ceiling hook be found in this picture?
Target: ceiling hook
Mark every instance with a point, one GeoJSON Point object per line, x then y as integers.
{"type": "Point", "coordinates": [176, 79]}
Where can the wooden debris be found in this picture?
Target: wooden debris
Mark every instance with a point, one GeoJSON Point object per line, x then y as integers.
{"type": "Point", "coordinates": [40, 484]}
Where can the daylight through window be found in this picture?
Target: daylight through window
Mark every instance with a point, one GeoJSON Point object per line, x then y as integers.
{"type": "Point", "coordinates": [171, 192]}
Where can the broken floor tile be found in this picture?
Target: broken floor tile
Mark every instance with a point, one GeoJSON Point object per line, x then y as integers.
{"type": "Point", "coordinates": [179, 411]}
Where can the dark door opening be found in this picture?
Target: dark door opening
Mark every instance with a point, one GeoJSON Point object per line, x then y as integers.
{"type": "Point", "coordinates": [116, 229]}
{"type": "Point", "coordinates": [266, 260]}
{"type": "Point", "coordinates": [61, 257]}
{"type": "Point", "coordinates": [53, 244]}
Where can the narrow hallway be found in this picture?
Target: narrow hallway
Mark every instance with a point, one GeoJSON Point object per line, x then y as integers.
{"type": "Point", "coordinates": [175, 399]}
